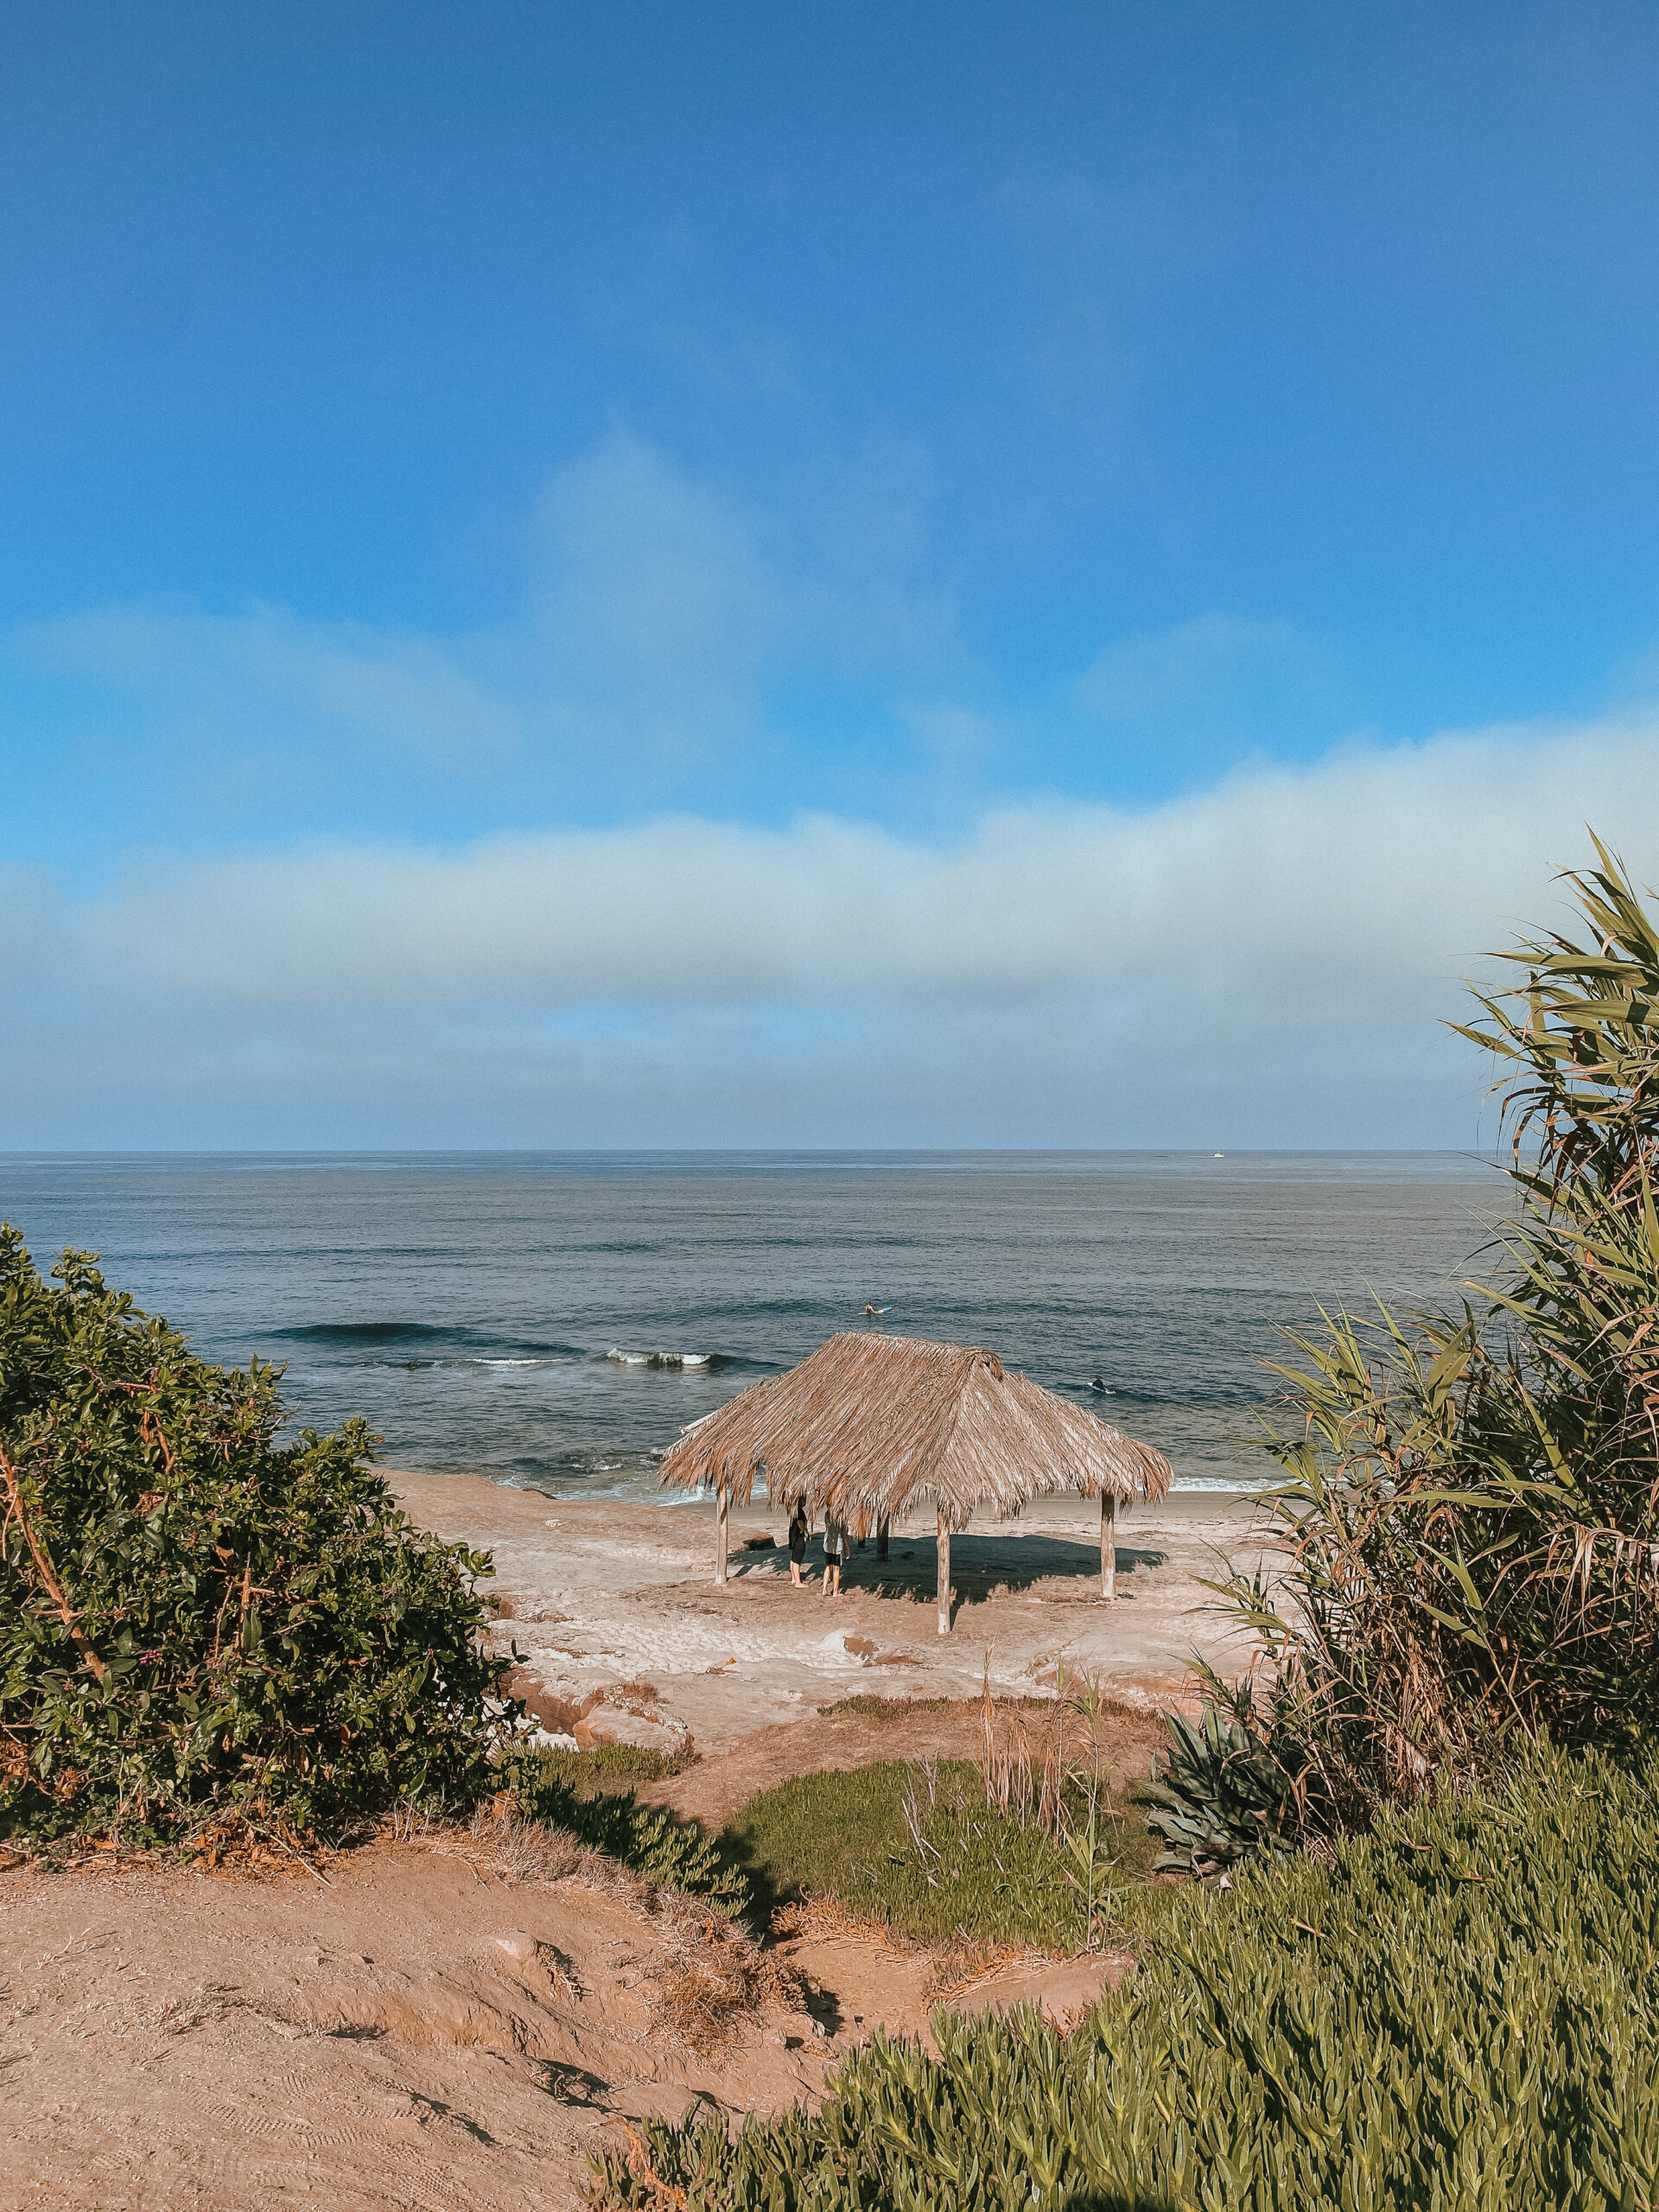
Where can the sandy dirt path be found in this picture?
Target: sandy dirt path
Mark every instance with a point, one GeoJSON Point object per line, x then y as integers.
{"type": "Point", "coordinates": [429, 2029]}
{"type": "Point", "coordinates": [440, 2024]}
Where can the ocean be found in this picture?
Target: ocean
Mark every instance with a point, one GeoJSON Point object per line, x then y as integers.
{"type": "Point", "coordinates": [548, 1318]}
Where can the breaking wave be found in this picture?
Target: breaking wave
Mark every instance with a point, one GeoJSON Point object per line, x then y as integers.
{"type": "Point", "coordinates": [704, 1362]}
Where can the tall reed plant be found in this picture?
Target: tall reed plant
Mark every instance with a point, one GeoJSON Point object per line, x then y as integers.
{"type": "Point", "coordinates": [1468, 1535]}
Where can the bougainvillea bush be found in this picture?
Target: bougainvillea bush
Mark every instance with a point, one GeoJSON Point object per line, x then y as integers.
{"type": "Point", "coordinates": [198, 1621]}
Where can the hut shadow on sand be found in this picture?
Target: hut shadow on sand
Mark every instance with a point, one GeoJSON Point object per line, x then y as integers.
{"type": "Point", "coordinates": [981, 1562]}
{"type": "Point", "coordinates": [877, 1429]}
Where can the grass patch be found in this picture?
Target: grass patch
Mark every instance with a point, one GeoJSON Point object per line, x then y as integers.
{"type": "Point", "coordinates": [976, 1874]}
{"type": "Point", "coordinates": [868, 1707]}
{"type": "Point", "coordinates": [605, 1764]}
{"type": "Point", "coordinates": [646, 1838]}
{"type": "Point", "coordinates": [1459, 2010]}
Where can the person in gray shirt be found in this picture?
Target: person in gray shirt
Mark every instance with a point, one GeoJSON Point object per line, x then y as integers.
{"type": "Point", "coordinates": [835, 1550]}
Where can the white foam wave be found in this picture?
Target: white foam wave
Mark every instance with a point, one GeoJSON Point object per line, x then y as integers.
{"type": "Point", "coordinates": [657, 1359]}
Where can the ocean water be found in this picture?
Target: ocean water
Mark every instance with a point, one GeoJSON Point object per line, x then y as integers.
{"type": "Point", "coordinates": [549, 1318]}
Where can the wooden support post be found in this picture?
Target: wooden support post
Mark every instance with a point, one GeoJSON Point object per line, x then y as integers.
{"type": "Point", "coordinates": [944, 1574]}
{"type": "Point", "coordinates": [1109, 1545]}
{"type": "Point", "coordinates": [881, 1528]}
{"type": "Point", "coordinates": [723, 1509]}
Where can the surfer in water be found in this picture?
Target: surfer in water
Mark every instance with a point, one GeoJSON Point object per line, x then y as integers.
{"type": "Point", "coordinates": [871, 1312]}
{"type": "Point", "coordinates": [1099, 1384]}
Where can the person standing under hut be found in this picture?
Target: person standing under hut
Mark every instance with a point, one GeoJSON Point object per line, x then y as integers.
{"type": "Point", "coordinates": [797, 1543]}
{"type": "Point", "coordinates": [835, 1550]}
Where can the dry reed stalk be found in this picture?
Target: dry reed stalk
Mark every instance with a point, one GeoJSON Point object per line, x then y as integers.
{"type": "Point", "coordinates": [1030, 1758]}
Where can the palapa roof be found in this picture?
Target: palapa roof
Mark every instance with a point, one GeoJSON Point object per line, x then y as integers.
{"type": "Point", "coordinates": [870, 1426]}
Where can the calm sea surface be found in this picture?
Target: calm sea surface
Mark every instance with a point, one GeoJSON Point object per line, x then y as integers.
{"type": "Point", "coordinates": [495, 1312]}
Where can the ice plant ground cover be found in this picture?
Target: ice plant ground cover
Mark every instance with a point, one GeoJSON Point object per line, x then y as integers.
{"type": "Point", "coordinates": [1460, 2009]}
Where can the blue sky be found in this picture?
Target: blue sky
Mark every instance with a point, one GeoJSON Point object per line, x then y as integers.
{"type": "Point", "coordinates": [840, 576]}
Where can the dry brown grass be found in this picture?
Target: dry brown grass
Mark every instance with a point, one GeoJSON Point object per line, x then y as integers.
{"type": "Point", "coordinates": [719, 1979]}
{"type": "Point", "coordinates": [1032, 1748]}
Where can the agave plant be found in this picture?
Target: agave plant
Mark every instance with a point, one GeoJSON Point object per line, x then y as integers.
{"type": "Point", "coordinates": [1222, 1795]}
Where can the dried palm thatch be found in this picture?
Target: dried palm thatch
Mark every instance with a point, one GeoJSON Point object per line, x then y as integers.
{"type": "Point", "coordinates": [871, 1427]}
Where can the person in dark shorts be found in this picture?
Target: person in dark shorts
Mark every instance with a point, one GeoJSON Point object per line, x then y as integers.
{"type": "Point", "coordinates": [797, 1544]}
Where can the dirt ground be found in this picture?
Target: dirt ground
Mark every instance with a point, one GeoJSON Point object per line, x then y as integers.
{"type": "Point", "coordinates": [431, 2028]}
{"type": "Point", "coordinates": [436, 2023]}
{"type": "Point", "coordinates": [453, 2022]}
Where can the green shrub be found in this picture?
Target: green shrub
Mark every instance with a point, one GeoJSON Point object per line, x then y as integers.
{"type": "Point", "coordinates": [644, 1837]}
{"type": "Point", "coordinates": [588, 1771]}
{"type": "Point", "coordinates": [195, 1620]}
{"type": "Point", "coordinates": [1470, 1518]}
{"type": "Point", "coordinates": [1459, 2011]}
{"type": "Point", "coordinates": [950, 1869]}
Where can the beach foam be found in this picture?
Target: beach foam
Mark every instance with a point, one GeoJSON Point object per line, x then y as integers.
{"type": "Point", "coordinates": [681, 1359]}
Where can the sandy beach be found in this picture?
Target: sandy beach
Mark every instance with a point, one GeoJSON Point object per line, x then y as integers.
{"type": "Point", "coordinates": [605, 1597]}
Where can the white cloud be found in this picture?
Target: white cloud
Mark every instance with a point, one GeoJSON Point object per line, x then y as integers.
{"type": "Point", "coordinates": [1366, 878]}
{"type": "Point", "coordinates": [222, 683]}
{"type": "Point", "coordinates": [1264, 960]}
{"type": "Point", "coordinates": [656, 608]}
{"type": "Point", "coordinates": [654, 613]}
{"type": "Point", "coordinates": [1267, 962]}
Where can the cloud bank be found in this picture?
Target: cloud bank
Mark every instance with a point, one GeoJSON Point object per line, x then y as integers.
{"type": "Point", "coordinates": [1374, 871]}
{"type": "Point", "coordinates": [1265, 962]}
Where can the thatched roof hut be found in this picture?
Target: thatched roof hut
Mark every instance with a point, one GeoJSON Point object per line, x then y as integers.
{"type": "Point", "coordinates": [871, 1426]}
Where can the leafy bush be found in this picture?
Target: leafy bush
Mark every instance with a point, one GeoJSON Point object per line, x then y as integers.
{"type": "Point", "coordinates": [1470, 1525]}
{"type": "Point", "coordinates": [645, 1837]}
{"type": "Point", "coordinates": [195, 1620]}
{"type": "Point", "coordinates": [1460, 2010]}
